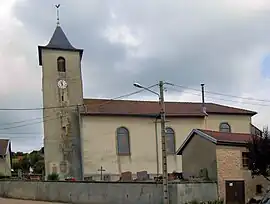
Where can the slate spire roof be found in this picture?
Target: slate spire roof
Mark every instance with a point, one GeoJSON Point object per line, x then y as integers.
{"type": "Point", "coordinates": [58, 41]}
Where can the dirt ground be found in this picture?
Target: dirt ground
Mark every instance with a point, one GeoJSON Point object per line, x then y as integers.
{"type": "Point", "coordinates": [12, 201]}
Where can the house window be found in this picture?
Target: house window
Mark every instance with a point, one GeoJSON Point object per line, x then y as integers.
{"type": "Point", "coordinates": [54, 169]}
{"type": "Point", "coordinates": [245, 159]}
{"type": "Point", "coordinates": [224, 127]}
{"type": "Point", "coordinates": [64, 130]}
{"type": "Point", "coordinates": [258, 189]}
{"type": "Point", "coordinates": [170, 140]}
{"type": "Point", "coordinates": [123, 143]}
{"type": "Point", "coordinates": [61, 64]}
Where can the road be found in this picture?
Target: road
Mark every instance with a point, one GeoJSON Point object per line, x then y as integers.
{"type": "Point", "coordinates": [12, 201]}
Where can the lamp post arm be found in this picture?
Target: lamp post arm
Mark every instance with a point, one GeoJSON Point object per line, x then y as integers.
{"type": "Point", "coordinates": [151, 91]}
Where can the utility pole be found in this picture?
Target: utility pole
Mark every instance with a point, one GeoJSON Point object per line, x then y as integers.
{"type": "Point", "coordinates": [163, 136]}
{"type": "Point", "coordinates": [164, 146]}
{"type": "Point", "coordinates": [157, 155]}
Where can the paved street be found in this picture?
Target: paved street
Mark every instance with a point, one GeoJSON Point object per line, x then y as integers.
{"type": "Point", "coordinates": [12, 201]}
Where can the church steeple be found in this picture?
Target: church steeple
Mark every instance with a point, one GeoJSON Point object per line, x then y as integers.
{"type": "Point", "coordinates": [58, 41]}
{"type": "Point", "coordinates": [61, 64]}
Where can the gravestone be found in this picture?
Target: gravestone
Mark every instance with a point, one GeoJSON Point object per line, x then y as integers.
{"type": "Point", "coordinates": [142, 175]}
{"type": "Point", "coordinates": [188, 175]}
{"type": "Point", "coordinates": [126, 176]}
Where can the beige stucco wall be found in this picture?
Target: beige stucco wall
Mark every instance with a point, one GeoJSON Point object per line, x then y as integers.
{"type": "Point", "coordinates": [99, 141]}
{"type": "Point", "coordinates": [238, 123]}
{"type": "Point", "coordinates": [229, 164]}
{"type": "Point", "coordinates": [5, 166]}
{"type": "Point", "coordinates": [51, 98]}
{"type": "Point", "coordinates": [200, 154]}
{"type": "Point", "coordinates": [99, 144]}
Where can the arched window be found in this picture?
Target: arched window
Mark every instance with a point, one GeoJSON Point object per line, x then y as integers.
{"type": "Point", "coordinates": [170, 140]}
{"type": "Point", "coordinates": [123, 143]}
{"type": "Point", "coordinates": [61, 64]}
{"type": "Point", "coordinates": [224, 127]}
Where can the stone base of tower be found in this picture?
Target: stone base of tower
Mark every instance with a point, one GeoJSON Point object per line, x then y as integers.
{"type": "Point", "coordinates": [64, 165]}
{"type": "Point", "coordinates": [59, 168]}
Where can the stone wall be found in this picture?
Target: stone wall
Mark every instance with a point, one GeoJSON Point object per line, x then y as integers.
{"type": "Point", "coordinates": [229, 163]}
{"type": "Point", "coordinates": [109, 192]}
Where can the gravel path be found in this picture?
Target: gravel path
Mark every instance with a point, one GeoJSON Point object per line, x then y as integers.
{"type": "Point", "coordinates": [12, 201]}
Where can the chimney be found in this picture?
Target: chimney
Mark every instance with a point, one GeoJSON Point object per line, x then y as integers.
{"type": "Point", "coordinates": [203, 101]}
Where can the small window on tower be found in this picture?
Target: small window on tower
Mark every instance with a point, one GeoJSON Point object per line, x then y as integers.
{"type": "Point", "coordinates": [258, 189]}
{"type": "Point", "coordinates": [61, 64]}
{"type": "Point", "coordinates": [62, 98]}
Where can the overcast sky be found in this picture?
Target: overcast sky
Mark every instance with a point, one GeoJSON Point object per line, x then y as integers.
{"type": "Point", "coordinates": [224, 44]}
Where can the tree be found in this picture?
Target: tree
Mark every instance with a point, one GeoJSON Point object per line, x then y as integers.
{"type": "Point", "coordinates": [19, 154]}
{"type": "Point", "coordinates": [24, 161]}
{"type": "Point", "coordinates": [16, 166]}
{"type": "Point", "coordinates": [42, 150]}
{"type": "Point", "coordinates": [39, 167]}
{"type": "Point", "coordinates": [34, 157]}
{"type": "Point", "coordinates": [25, 164]}
{"type": "Point", "coordinates": [53, 177]}
{"type": "Point", "coordinates": [259, 154]}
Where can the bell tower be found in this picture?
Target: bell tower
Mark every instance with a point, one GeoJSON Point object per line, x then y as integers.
{"type": "Point", "coordinates": [62, 96]}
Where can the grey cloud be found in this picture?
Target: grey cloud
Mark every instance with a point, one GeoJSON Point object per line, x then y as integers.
{"type": "Point", "coordinates": [186, 43]}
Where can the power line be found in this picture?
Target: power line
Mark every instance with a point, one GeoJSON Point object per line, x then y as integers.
{"type": "Point", "coordinates": [20, 133]}
{"type": "Point", "coordinates": [101, 104]}
{"type": "Point", "coordinates": [57, 107]}
{"type": "Point", "coordinates": [22, 121]}
{"type": "Point", "coordinates": [222, 99]}
{"type": "Point", "coordinates": [18, 126]}
{"type": "Point", "coordinates": [21, 137]}
{"type": "Point", "coordinates": [33, 109]}
{"type": "Point", "coordinates": [221, 94]}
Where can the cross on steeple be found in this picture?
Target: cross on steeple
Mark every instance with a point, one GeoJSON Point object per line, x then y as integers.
{"type": "Point", "coordinates": [57, 13]}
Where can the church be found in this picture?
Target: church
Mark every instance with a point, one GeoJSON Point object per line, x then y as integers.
{"type": "Point", "coordinates": [84, 137]}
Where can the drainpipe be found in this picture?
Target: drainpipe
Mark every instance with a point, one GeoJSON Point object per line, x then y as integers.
{"type": "Point", "coordinates": [79, 143]}
{"type": "Point", "coordinates": [157, 155]}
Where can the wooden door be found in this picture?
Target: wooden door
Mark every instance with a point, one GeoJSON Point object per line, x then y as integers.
{"type": "Point", "coordinates": [235, 192]}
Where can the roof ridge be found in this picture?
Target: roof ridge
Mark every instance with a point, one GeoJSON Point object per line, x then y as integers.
{"type": "Point", "coordinates": [234, 133]}
{"type": "Point", "coordinates": [154, 101]}
{"type": "Point", "coordinates": [228, 106]}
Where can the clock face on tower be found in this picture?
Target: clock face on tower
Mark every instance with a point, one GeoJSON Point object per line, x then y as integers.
{"type": "Point", "coordinates": [62, 84]}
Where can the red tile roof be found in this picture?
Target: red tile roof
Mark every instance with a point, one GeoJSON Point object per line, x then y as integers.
{"type": "Point", "coordinates": [3, 146]}
{"type": "Point", "coordinates": [151, 108]}
{"type": "Point", "coordinates": [228, 137]}
{"type": "Point", "coordinates": [219, 138]}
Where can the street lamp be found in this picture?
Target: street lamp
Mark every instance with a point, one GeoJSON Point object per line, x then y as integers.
{"type": "Point", "coordinates": [163, 137]}
{"type": "Point", "coordinates": [148, 89]}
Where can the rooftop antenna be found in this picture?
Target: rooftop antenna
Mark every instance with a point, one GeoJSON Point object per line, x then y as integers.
{"type": "Point", "coordinates": [57, 13]}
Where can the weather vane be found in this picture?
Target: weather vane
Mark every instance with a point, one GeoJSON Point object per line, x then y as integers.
{"type": "Point", "coordinates": [57, 10]}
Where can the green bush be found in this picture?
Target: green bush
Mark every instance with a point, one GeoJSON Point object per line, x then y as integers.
{"type": "Point", "coordinates": [53, 177]}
